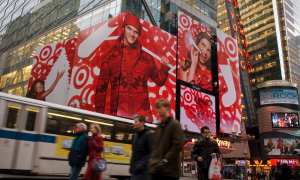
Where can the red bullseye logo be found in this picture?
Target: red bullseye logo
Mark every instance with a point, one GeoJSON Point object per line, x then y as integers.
{"type": "Point", "coordinates": [45, 53]}
{"type": "Point", "coordinates": [81, 77]}
{"type": "Point", "coordinates": [230, 47]}
{"type": "Point", "coordinates": [187, 97]}
{"type": "Point", "coordinates": [184, 21]}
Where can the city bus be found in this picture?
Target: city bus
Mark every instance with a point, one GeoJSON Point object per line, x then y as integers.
{"type": "Point", "coordinates": [35, 137]}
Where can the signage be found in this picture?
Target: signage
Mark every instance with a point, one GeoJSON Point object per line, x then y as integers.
{"type": "Point", "coordinates": [223, 143]}
{"type": "Point", "coordinates": [278, 96]}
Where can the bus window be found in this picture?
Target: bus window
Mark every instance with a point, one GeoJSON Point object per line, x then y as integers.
{"type": "Point", "coordinates": [106, 126]}
{"type": "Point", "coordinates": [12, 116]}
{"type": "Point", "coordinates": [61, 123]}
{"type": "Point", "coordinates": [31, 116]}
{"type": "Point", "coordinates": [123, 132]}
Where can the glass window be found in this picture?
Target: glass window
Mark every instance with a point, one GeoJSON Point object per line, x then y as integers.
{"type": "Point", "coordinates": [123, 132]}
{"type": "Point", "coordinates": [12, 115]}
{"type": "Point", "coordinates": [61, 123]}
{"type": "Point", "coordinates": [106, 126]}
{"type": "Point", "coordinates": [31, 118]}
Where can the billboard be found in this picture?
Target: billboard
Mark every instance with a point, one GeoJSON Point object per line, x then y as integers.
{"type": "Point", "coordinates": [285, 120]}
{"type": "Point", "coordinates": [278, 96]}
{"type": "Point", "coordinates": [197, 109]}
{"type": "Point", "coordinates": [194, 52]}
{"type": "Point", "coordinates": [229, 84]}
{"type": "Point", "coordinates": [281, 146]}
{"type": "Point", "coordinates": [118, 67]}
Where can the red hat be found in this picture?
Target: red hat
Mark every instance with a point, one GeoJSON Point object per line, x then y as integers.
{"type": "Point", "coordinates": [133, 21]}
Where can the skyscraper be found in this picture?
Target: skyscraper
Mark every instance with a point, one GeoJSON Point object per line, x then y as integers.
{"type": "Point", "coordinates": [271, 29]}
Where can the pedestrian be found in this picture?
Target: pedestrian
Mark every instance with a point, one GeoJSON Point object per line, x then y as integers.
{"type": "Point", "coordinates": [95, 148]}
{"type": "Point", "coordinates": [141, 150]}
{"type": "Point", "coordinates": [202, 152]}
{"type": "Point", "coordinates": [79, 150]}
{"type": "Point", "coordinates": [168, 140]}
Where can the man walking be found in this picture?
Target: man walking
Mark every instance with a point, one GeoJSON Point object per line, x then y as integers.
{"type": "Point", "coordinates": [141, 150]}
{"type": "Point", "coordinates": [79, 150]}
{"type": "Point", "coordinates": [168, 140]}
{"type": "Point", "coordinates": [202, 152]}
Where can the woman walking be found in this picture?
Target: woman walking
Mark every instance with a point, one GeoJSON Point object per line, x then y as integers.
{"type": "Point", "coordinates": [95, 148]}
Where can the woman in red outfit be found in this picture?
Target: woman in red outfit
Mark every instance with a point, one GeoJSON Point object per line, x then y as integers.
{"type": "Point", "coordinates": [95, 148]}
{"type": "Point", "coordinates": [197, 69]}
{"type": "Point", "coordinates": [37, 90]}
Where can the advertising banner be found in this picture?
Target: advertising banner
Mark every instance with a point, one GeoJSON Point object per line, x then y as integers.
{"type": "Point", "coordinates": [118, 67]}
{"type": "Point", "coordinates": [194, 52]}
{"type": "Point", "coordinates": [229, 84]}
{"type": "Point", "coordinates": [285, 120]}
{"type": "Point", "coordinates": [278, 96]}
{"type": "Point", "coordinates": [281, 146]}
{"type": "Point", "coordinates": [197, 109]}
{"type": "Point", "coordinates": [114, 152]}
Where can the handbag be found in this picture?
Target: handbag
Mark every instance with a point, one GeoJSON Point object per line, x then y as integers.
{"type": "Point", "coordinates": [214, 172]}
{"type": "Point", "coordinates": [99, 165]}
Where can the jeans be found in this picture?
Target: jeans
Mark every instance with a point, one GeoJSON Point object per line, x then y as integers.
{"type": "Point", "coordinates": [144, 176]}
{"type": "Point", "coordinates": [75, 171]}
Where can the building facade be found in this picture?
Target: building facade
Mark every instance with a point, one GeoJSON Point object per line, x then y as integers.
{"type": "Point", "coordinates": [26, 25]}
{"type": "Point", "coordinates": [272, 30]}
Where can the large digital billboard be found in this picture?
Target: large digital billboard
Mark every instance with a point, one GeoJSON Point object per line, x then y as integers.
{"type": "Point", "coordinates": [118, 67]}
{"type": "Point", "coordinates": [197, 109]}
{"type": "Point", "coordinates": [278, 95]}
{"type": "Point", "coordinates": [194, 52]}
{"type": "Point", "coordinates": [281, 146]}
{"type": "Point", "coordinates": [285, 120]}
{"type": "Point", "coordinates": [229, 84]}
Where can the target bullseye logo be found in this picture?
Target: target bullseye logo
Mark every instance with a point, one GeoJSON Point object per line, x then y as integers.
{"type": "Point", "coordinates": [45, 53]}
{"type": "Point", "coordinates": [81, 77]}
{"type": "Point", "coordinates": [184, 21]}
{"type": "Point", "coordinates": [187, 97]}
{"type": "Point", "coordinates": [230, 47]}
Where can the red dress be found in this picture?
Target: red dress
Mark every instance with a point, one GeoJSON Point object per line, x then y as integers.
{"type": "Point", "coordinates": [127, 70]}
{"type": "Point", "coordinates": [95, 148]}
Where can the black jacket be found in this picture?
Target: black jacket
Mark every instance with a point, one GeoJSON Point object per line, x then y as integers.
{"type": "Point", "coordinates": [79, 150]}
{"type": "Point", "coordinates": [141, 150]}
{"type": "Point", "coordinates": [204, 148]}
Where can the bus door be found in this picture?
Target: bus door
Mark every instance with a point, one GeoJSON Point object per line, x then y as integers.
{"type": "Point", "coordinates": [17, 135]}
{"type": "Point", "coordinates": [27, 138]}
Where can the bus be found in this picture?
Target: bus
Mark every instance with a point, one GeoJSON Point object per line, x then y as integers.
{"type": "Point", "coordinates": [35, 137]}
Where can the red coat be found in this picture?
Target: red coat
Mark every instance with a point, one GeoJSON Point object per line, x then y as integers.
{"type": "Point", "coordinates": [127, 70]}
{"type": "Point", "coordinates": [95, 148]}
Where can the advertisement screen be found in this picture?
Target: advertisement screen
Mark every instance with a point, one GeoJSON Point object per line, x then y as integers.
{"type": "Point", "coordinates": [278, 96]}
{"type": "Point", "coordinates": [229, 84]}
{"type": "Point", "coordinates": [118, 67]}
{"type": "Point", "coordinates": [197, 109]}
{"type": "Point", "coordinates": [285, 120]}
{"type": "Point", "coordinates": [194, 51]}
{"type": "Point", "coordinates": [281, 146]}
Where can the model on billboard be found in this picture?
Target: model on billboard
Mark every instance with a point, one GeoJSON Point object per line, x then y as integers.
{"type": "Point", "coordinates": [124, 73]}
{"type": "Point", "coordinates": [197, 68]}
{"type": "Point", "coordinates": [37, 90]}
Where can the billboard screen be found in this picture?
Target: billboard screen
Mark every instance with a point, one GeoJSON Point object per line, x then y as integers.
{"type": "Point", "coordinates": [278, 96]}
{"type": "Point", "coordinates": [229, 84]}
{"type": "Point", "coordinates": [281, 146]}
{"type": "Point", "coordinates": [118, 67]}
{"type": "Point", "coordinates": [285, 120]}
{"type": "Point", "coordinates": [194, 51]}
{"type": "Point", "coordinates": [197, 109]}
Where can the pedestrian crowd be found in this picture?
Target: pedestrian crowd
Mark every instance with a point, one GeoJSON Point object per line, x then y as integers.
{"type": "Point", "coordinates": [155, 153]}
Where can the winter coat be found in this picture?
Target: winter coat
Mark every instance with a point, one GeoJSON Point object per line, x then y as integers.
{"type": "Point", "coordinates": [95, 148]}
{"type": "Point", "coordinates": [167, 144]}
{"type": "Point", "coordinates": [141, 150]}
{"type": "Point", "coordinates": [78, 153]}
{"type": "Point", "coordinates": [204, 148]}
{"type": "Point", "coordinates": [127, 70]}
